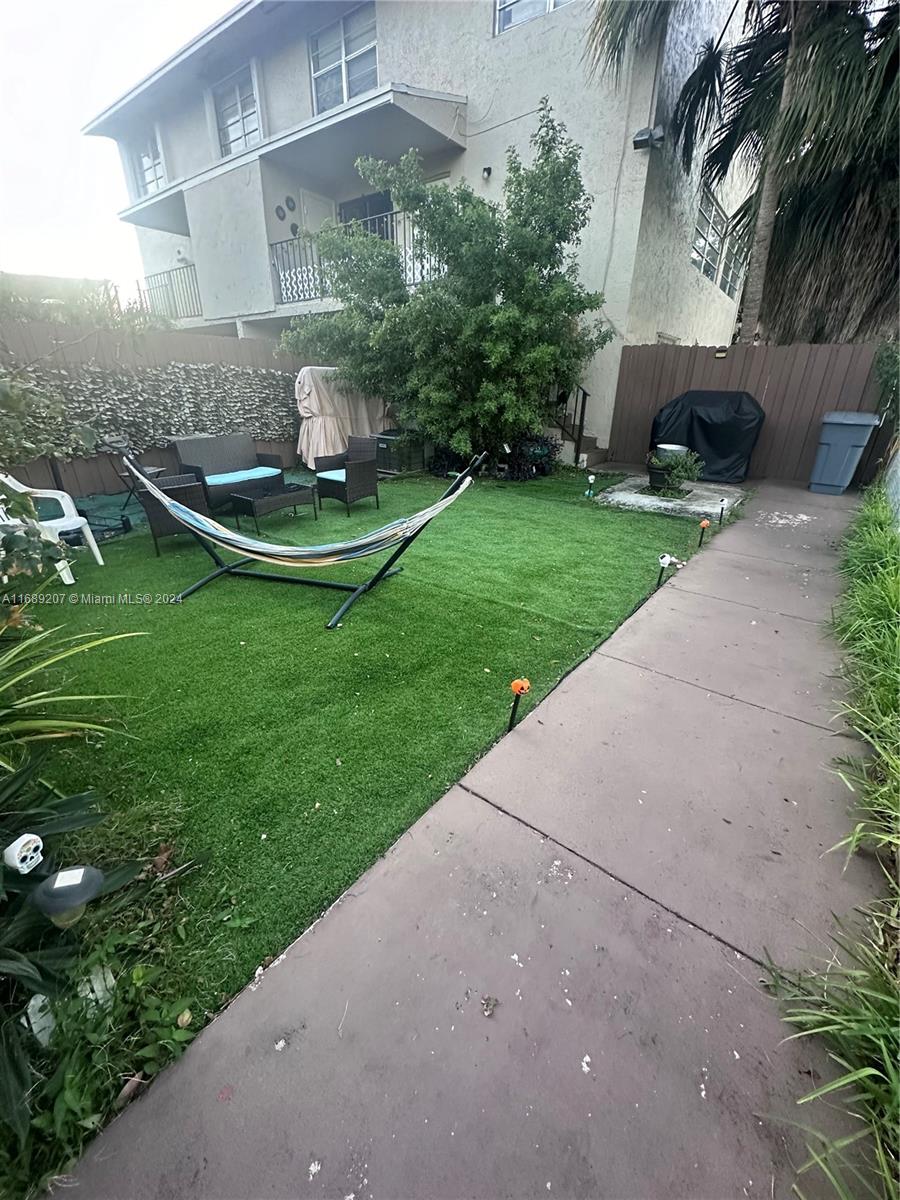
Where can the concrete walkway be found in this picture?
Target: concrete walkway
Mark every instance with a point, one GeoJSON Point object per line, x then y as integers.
{"type": "Point", "coordinates": [605, 884]}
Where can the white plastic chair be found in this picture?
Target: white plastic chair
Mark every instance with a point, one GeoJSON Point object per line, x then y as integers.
{"type": "Point", "coordinates": [69, 522]}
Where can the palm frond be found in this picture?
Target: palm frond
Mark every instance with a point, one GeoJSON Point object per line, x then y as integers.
{"type": "Point", "coordinates": [699, 102]}
{"type": "Point", "coordinates": [619, 25]}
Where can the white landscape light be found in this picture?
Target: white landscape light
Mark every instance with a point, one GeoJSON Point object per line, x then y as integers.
{"type": "Point", "coordinates": [590, 487]}
{"type": "Point", "coordinates": [24, 854]}
{"type": "Point", "coordinates": [64, 895]}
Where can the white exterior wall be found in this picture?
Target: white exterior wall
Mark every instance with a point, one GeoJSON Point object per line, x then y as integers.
{"type": "Point", "coordinates": [669, 295]}
{"type": "Point", "coordinates": [636, 248]}
{"type": "Point", "coordinates": [451, 47]}
{"type": "Point", "coordinates": [230, 243]}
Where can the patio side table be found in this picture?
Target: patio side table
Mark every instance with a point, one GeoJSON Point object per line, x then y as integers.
{"type": "Point", "coordinates": [127, 477]}
{"type": "Point", "coordinates": [258, 506]}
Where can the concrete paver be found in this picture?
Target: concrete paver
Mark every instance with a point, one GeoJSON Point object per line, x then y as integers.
{"type": "Point", "coordinates": [603, 882]}
{"type": "Point", "coordinates": [629, 1055]}
{"type": "Point", "coordinates": [750, 654]}
{"type": "Point", "coordinates": [776, 587]}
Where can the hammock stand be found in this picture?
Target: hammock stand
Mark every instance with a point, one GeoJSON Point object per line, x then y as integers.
{"type": "Point", "coordinates": [241, 570]}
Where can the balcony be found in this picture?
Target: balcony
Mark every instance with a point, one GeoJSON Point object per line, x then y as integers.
{"type": "Point", "coordinates": [174, 294]}
{"type": "Point", "coordinates": [299, 276]}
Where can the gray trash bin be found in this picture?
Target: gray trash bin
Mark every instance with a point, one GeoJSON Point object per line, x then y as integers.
{"type": "Point", "coordinates": [842, 441]}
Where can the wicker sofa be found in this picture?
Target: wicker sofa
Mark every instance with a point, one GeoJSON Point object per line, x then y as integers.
{"type": "Point", "coordinates": [350, 476]}
{"type": "Point", "coordinates": [229, 464]}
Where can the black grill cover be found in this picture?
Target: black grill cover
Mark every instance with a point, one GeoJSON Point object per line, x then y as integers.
{"type": "Point", "coordinates": [722, 427]}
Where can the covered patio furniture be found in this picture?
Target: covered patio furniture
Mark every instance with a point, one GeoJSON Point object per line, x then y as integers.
{"type": "Point", "coordinates": [331, 413]}
{"type": "Point", "coordinates": [62, 517]}
{"type": "Point", "coordinates": [186, 489]}
{"type": "Point", "coordinates": [229, 464]}
{"type": "Point", "coordinates": [350, 476]}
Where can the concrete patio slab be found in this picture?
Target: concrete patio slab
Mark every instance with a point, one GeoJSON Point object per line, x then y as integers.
{"type": "Point", "coordinates": [720, 810]}
{"type": "Point", "coordinates": [702, 500]}
{"type": "Point", "coordinates": [628, 1054]}
{"type": "Point", "coordinates": [789, 524]}
{"type": "Point", "coordinates": [770, 585]}
{"type": "Point", "coordinates": [779, 663]}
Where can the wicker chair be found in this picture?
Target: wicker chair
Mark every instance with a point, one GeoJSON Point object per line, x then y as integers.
{"type": "Point", "coordinates": [186, 489]}
{"type": "Point", "coordinates": [229, 464]}
{"type": "Point", "coordinates": [350, 476]}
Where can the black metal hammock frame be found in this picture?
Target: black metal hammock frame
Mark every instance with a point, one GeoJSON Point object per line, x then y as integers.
{"type": "Point", "coordinates": [399, 535]}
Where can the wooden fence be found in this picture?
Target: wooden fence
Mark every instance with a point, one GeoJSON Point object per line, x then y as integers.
{"type": "Point", "coordinates": [795, 385]}
{"type": "Point", "coordinates": [70, 346]}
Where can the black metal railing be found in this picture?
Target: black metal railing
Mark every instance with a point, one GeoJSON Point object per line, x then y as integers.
{"type": "Point", "coordinates": [570, 413]}
{"type": "Point", "coordinates": [173, 294]}
{"type": "Point", "coordinates": [299, 273]}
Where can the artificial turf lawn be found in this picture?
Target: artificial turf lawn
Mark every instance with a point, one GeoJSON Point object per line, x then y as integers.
{"type": "Point", "coordinates": [288, 757]}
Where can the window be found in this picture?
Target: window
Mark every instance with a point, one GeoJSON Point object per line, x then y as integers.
{"type": "Point", "coordinates": [709, 235]}
{"type": "Point", "coordinates": [344, 59]}
{"type": "Point", "coordinates": [147, 164]}
{"type": "Point", "coordinates": [514, 12]}
{"type": "Point", "coordinates": [734, 264]}
{"type": "Point", "coordinates": [237, 114]}
{"type": "Point", "coordinates": [719, 255]}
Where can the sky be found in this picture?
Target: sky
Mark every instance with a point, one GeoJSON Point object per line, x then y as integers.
{"type": "Point", "coordinates": [61, 63]}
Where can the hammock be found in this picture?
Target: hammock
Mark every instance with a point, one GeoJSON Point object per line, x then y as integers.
{"type": "Point", "coordinates": [396, 535]}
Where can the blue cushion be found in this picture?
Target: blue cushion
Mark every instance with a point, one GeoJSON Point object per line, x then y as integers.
{"type": "Point", "coordinates": [242, 476]}
{"type": "Point", "coordinates": [336, 476]}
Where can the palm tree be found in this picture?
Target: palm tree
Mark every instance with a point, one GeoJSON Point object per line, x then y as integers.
{"type": "Point", "coordinates": [808, 98]}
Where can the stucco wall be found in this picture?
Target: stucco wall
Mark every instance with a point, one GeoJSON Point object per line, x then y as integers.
{"type": "Point", "coordinates": [669, 295]}
{"type": "Point", "coordinates": [452, 48]}
{"type": "Point", "coordinates": [159, 250]}
{"type": "Point", "coordinates": [230, 246]}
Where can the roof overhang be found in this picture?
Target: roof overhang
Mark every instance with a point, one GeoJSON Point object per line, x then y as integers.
{"type": "Point", "coordinates": [384, 123]}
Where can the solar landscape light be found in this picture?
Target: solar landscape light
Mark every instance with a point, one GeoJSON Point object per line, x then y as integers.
{"type": "Point", "coordinates": [590, 487]}
{"type": "Point", "coordinates": [520, 688]}
{"type": "Point", "coordinates": [64, 895]}
{"type": "Point", "coordinates": [704, 525]}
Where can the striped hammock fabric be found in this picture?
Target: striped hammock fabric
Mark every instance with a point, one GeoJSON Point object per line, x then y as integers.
{"type": "Point", "coordinates": [385, 538]}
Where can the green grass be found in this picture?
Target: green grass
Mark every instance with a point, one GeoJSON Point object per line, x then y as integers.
{"type": "Point", "coordinates": [289, 758]}
{"type": "Point", "coordinates": [853, 1001]}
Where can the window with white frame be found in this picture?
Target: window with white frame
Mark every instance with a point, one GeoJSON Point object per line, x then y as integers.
{"type": "Point", "coordinates": [344, 59]}
{"type": "Point", "coordinates": [734, 264]}
{"type": "Point", "coordinates": [237, 112]}
{"type": "Point", "coordinates": [514, 12]}
{"type": "Point", "coordinates": [718, 254]}
{"type": "Point", "coordinates": [147, 165]}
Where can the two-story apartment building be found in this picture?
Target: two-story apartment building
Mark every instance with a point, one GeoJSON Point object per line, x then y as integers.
{"type": "Point", "coordinates": [249, 134]}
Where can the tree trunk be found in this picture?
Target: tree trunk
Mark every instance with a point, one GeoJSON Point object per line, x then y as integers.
{"type": "Point", "coordinates": [770, 190]}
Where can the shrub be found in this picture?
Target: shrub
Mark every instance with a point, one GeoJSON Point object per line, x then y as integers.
{"type": "Point", "coordinates": [471, 355]}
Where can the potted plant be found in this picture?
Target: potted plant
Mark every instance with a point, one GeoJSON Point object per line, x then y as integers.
{"type": "Point", "coordinates": [669, 474]}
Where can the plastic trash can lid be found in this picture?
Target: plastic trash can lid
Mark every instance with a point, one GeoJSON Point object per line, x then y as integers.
{"type": "Point", "coordinates": [851, 418]}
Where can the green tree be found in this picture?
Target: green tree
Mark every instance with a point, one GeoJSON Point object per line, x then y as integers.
{"type": "Point", "coordinates": [497, 316]}
{"type": "Point", "coordinates": [808, 97]}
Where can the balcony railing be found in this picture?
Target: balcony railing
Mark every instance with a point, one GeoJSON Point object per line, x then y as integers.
{"type": "Point", "coordinates": [299, 275]}
{"type": "Point", "coordinates": [173, 294]}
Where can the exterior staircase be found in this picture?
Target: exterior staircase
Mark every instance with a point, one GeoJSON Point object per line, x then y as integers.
{"type": "Point", "coordinates": [579, 448]}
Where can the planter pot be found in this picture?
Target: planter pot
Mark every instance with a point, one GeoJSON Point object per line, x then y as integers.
{"type": "Point", "coordinates": [659, 477]}
{"type": "Point", "coordinates": [666, 450]}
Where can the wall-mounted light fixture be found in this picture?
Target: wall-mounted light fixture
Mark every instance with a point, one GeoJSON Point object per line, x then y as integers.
{"type": "Point", "coordinates": [649, 139]}
{"type": "Point", "coordinates": [485, 173]}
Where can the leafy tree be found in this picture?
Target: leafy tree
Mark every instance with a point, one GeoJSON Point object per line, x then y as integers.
{"type": "Point", "coordinates": [497, 315]}
{"type": "Point", "coordinates": [808, 97]}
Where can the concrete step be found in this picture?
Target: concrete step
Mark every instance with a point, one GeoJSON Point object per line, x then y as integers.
{"type": "Point", "coordinates": [592, 458]}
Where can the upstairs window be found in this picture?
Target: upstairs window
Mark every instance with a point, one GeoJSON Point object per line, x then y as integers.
{"type": "Point", "coordinates": [709, 235]}
{"type": "Point", "coordinates": [514, 12]}
{"type": "Point", "coordinates": [237, 113]}
{"type": "Point", "coordinates": [147, 163]}
{"type": "Point", "coordinates": [344, 59]}
{"type": "Point", "coordinates": [719, 255]}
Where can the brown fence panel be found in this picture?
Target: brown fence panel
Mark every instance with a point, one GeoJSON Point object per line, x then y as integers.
{"type": "Point", "coordinates": [795, 385]}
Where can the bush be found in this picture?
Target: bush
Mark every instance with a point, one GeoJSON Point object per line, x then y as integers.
{"type": "Point", "coordinates": [498, 318]}
{"type": "Point", "coordinates": [854, 1000]}
{"type": "Point", "coordinates": [532, 457]}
